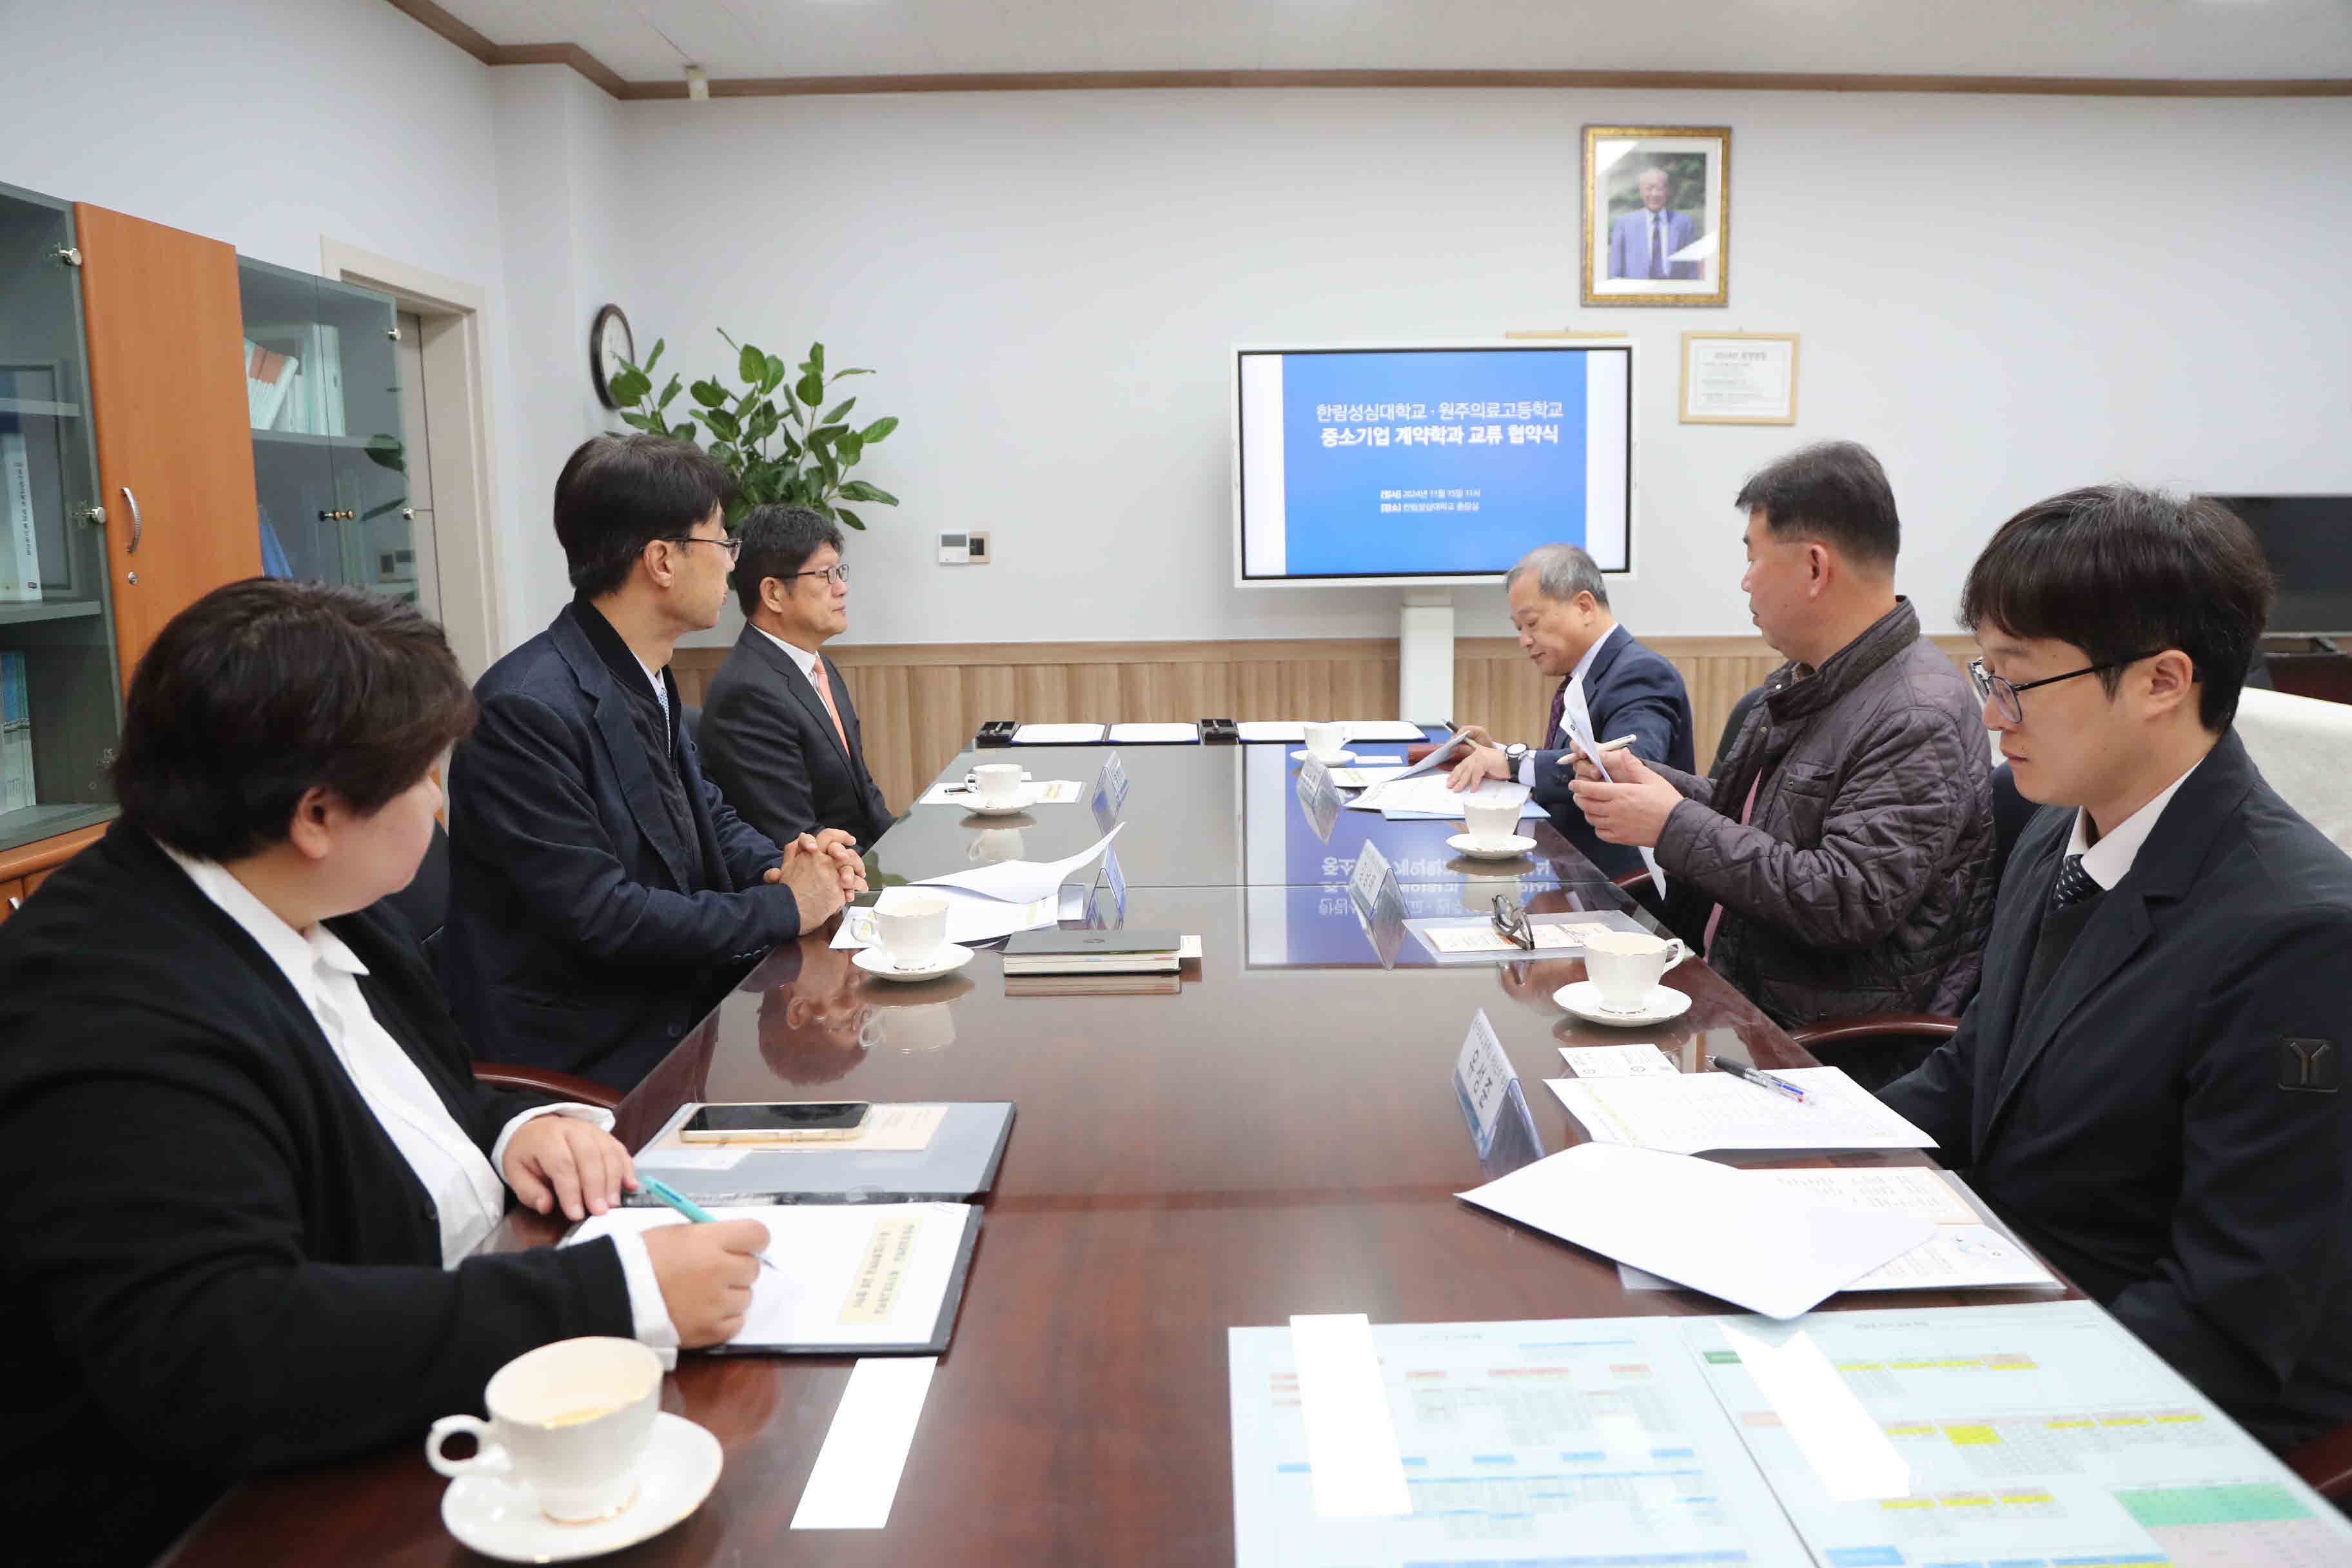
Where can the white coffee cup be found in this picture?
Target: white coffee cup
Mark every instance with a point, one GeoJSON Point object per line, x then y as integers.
{"type": "Point", "coordinates": [911, 928]}
{"type": "Point", "coordinates": [997, 784]}
{"type": "Point", "coordinates": [568, 1422]}
{"type": "Point", "coordinates": [1326, 741]}
{"type": "Point", "coordinates": [1491, 821]}
{"type": "Point", "coordinates": [1625, 966]}
{"type": "Point", "coordinates": [992, 846]}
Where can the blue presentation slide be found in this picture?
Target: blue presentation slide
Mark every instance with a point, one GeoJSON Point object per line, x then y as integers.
{"type": "Point", "coordinates": [1441, 461]}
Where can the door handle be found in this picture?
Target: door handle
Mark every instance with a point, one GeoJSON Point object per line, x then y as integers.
{"type": "Point", "coordinates": [138, 523]}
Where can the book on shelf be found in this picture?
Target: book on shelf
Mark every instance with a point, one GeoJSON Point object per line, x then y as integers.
{"type": "Point", "coordinates": [269, 378]}
{"type": "Point", "coordinates": [20, 551]}
{"type": "Point", "coordinates": [17, 791]}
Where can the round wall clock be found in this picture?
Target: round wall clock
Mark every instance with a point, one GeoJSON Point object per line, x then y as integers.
{"type": "Point", "coordinates": [609, 344]}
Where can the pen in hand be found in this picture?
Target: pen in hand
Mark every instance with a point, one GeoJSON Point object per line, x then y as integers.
{"type": "Point", "coordinates": [1760, 1080]}
{"type": "Point", "coordinates": [685, 1206]}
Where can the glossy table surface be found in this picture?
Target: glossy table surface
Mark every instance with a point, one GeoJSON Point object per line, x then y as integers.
{"type": "Point", "coordinates": [1281, 1136]}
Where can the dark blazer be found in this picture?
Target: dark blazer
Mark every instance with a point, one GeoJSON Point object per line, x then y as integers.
{"type": "Point", "coordinates": [584, 934]}
{"type": "Point", "coordinates": [771, 749]}
{"type": "Point", "coordinates": [2166, 1120]}
{"type": "Point", "coordinates": [212, 1259]}
{"type": "Point", "coordinates": [1629, 691]}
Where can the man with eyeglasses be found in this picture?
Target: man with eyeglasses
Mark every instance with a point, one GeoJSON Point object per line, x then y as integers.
{"type": "Point", "coordinates": [778, 730]}
{"type": "Point", "coordinates": [603, 894]}
{"type": "Point", "coordinates": [2149, 1084]}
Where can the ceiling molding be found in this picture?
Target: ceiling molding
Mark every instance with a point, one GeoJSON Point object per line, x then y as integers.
{"type": "Point", "coordinates": [458, 33]}
{"type": "Point", "coordinates": [1688, 81]}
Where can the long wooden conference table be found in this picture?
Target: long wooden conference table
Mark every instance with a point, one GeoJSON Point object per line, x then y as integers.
{"type": "Point", "coordinates": [1279, 1137]}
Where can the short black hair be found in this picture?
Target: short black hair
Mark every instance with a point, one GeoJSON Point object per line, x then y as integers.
{"type": "Point", "coordinates": [619, 493]}
{"type": "Point", "coordinates": [778, 542]}
{"type": "Point", "coordinates": [1834, 491]}
{"type": "Point", "coordinates": [2121, 572]}
{"type": "Point", "coordinates": [264, 689]}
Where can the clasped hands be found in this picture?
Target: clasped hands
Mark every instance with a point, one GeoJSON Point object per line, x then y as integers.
{"type": "Point", "coordinates": [1628, 805]}
{"type": "Point", "coordinates": [823, 869]}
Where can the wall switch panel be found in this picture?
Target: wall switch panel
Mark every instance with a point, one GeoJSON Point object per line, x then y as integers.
{"type": "Point", "coordinates": [954, 550]}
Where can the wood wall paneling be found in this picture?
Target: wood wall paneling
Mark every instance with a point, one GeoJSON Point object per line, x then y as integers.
{"type": "Point", "coordinates": [919, 703]}
{"type": "Point", "coordinates": [168, 407]}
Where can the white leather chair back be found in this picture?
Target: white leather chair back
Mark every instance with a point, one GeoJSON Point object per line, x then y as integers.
{"type": "Point", "coordinates": [2303, 748]}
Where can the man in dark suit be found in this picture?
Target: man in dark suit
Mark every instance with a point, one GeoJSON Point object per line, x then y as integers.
{"type": "Point", "coordinates": [602, 892]}
{"type": "Point", "coordinates": [2150, 1085]}
{"type": "Point", "coordinates": [1642, 242]}
{"type": "Point", "coordinates": [245, 1167]}
{"type": "Point", "coordinates": [779, 732]}
{"type": "Point", "coordinates": [1559, 605]}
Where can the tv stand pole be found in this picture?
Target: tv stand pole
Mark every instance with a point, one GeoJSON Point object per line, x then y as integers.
{"type": "Point", "coordinates": [1425, 659]}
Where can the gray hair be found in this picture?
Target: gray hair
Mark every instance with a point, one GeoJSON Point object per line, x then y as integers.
{"type": "Point", "coordinates": [1562, 572]}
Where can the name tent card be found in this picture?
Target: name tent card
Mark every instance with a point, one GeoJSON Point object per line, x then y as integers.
{"type": "Point", "coordinates": [1483, 1077]}
{"type": "Point", "coordinates": [1112, 781]}
{"type": "Point", "coordinates": [1117, 878]}
{"type": "Point", "coordinates": [1103, 803]}
{"type": "Point", "coordinates": [1319, 798]}
{"type": "Point", "coordinates": [1379, 902]}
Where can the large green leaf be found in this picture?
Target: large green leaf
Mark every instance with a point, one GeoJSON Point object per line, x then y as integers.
{"type": "Point", "coordinates": [850, 447]}
{"type": "Point", "coordinates": [709, 394]}
{"type": "Point", "coordinates": [775, 377]}
{"type": "Point", "coordinates": [668, 393]}
{"type": "Point", "coordinates": [649, 423]}
{"type": "Point", "coordinates": [722, 424]}
{"type": "Point", "coordinates": [810, 389]}
{"type": "Point", "coordinates": [630, 386]}
{"type": "Point", "coordinates": [858, 490]}
{"type": "Point", "coordinates": [839, 375]}
{"type": "Point", "coordinates": [850, 518]}
{"type": "Point", "coordinates": [750, 364]}
{"type": "Point", "coordinates": [879, 428]}
{"type": "Point", "coordinates": [654, 358]}
{"type": "Point", "coordinates": [834, 412]}
{"type": "Point", "coordinates": [816, 358]}
{"type": "Point", "coordinates": [683, 431]}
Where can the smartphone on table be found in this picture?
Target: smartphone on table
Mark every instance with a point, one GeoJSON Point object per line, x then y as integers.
{"type": "Point", "coordinates": [787, 1121]}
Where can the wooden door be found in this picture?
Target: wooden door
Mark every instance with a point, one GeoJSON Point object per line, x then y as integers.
{"type": "Point", "coordinates": [168, 405]}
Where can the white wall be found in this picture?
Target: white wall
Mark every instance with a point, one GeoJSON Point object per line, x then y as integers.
{"type": "Point", "coordinates": [270, 125]}
{"type": "Point", "coordinates": [2003, 296]}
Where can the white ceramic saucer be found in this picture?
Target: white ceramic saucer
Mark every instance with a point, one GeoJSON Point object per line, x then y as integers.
{"type": "Point", "coordinates": [501, 1520]}
{"type": "Point", "coordinates": [1509, 848]}
{"type": "Point", "coordinates": [1029, 795]}
{"type": "Point", "coordinates": [946, 960]}
{"type": "Point", "coordinates": [1342, 761]}
{"type": "Point", "coordinates": [1583, 999]}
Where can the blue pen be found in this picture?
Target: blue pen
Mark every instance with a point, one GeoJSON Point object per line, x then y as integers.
{"type": "Point", "coordinates": [1760, 1080]}
{"type": "Point", "coordinates": [683, 1205]}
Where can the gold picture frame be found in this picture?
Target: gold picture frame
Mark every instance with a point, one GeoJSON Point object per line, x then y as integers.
{"type": "Point", "coordinates": [1681, 176]}
{"type": "Point", "coordinates": [1738, 379]}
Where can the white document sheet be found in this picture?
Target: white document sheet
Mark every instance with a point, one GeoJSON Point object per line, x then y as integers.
{"type": "Point", "coordinates": [1363, 778]}
{"type": "Point", "coordinates": [1577, 720]}
{"type": "Point", "coordinates": [1021, 881]}
{"type": "Point", "coordinates": [2036, 1433]}
{"type": "Point", "coordinates": [845, 1274]}
{"type": "Point", "coordinates": [1700, 1224]}
{"type": "Point", "coordinates": [1057, 734]}
{"type": "Point", "coordinates": [1965, 1253]}
{"type": "Point", "coordinates": [1351, 1443]}
{"type": "Point", "coordinates": [1426, 795]}
{"type": "Point", "coordinates": [1459, 939]}
{"type": "Point", "coordinates": [1692, 1112]}
{"type": "Point", "coordinates": [1153, 734]}
{"type": "Point", "coordinates": [971, 917]}
{"type": "Point", "coordinates": [855, 1477]}
{"type": "Point", "coordinates": [1589, 1441]}
{"type": "Point", "coordinates": [1619, 1061]}
{"type": "Point", "coordinates": [1295, 730]}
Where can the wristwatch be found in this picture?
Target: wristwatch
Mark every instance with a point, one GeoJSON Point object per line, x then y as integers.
{"type": "Point", "coordinates": [1514, 754]}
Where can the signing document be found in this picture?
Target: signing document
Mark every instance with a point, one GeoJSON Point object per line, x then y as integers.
{"type": "Point", "coordinates": [1692, 1112]}
{"type": "Point", "coordinates": [1964, 1253]}
{"type": "Point", "coordinates": [846, 1276]}
{"type": "Point", "coordinates": [1701, 1224]}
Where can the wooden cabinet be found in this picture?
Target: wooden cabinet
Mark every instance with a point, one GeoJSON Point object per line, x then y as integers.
{"type": "Point", "coordinates": [167, 383]}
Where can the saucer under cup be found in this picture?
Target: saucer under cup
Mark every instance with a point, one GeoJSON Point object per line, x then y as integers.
{"type": "Point", "coordinates": [1020, 800]}
{"type": "Point", "coordinates": [1509, 848]}
{"type": "Point", "coordinates": [1583, 999]}
{"type": "Point", "coordinates": [1336, 759]}
{"type": "Point", "coordinates": [500, 1518]}
{"type": "Point", "coordinates": [944, 959]}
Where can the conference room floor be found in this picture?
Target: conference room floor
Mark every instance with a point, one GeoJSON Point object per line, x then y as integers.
{"type": "Point", "coordinates": [1280, 1136]}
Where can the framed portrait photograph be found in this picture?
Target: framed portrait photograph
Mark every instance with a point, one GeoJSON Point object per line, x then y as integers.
{"type": "Point", "coordinates": [1657, 214]}
{"type": "Point", "coordinates": [1740, 378]}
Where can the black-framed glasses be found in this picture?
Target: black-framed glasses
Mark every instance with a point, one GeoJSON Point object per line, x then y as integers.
{"type": "Point", "coordinates": [1511, 920]}
{"type": "Point", "coordinates": [834, 575]}
{"type": "Point", "coordinates": [734, 547]}
{"type": "Point", "coordinates": [1992, 687]}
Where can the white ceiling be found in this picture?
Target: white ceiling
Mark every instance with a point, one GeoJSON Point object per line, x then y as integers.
{"type": "Point", "coordinates": [653, 40]}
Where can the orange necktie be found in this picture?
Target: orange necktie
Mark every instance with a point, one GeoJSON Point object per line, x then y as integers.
{"type": "Point", "coordinates": [824, 695]}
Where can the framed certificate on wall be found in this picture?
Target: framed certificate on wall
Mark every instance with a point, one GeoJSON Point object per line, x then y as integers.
{"type": "Point", "coordinates": [1740, 378]}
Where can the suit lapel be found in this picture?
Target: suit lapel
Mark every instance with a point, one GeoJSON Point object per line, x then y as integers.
{"type": "Point", "coordinates": [624, 754]}
{"type": "Point", "coordinates": [2117, 929]}
{"type": "Point", "coordinates": [803, 690]}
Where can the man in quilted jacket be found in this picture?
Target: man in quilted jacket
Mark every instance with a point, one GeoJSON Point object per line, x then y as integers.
{"type": "Point", "coordinates": [1839, 859]}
